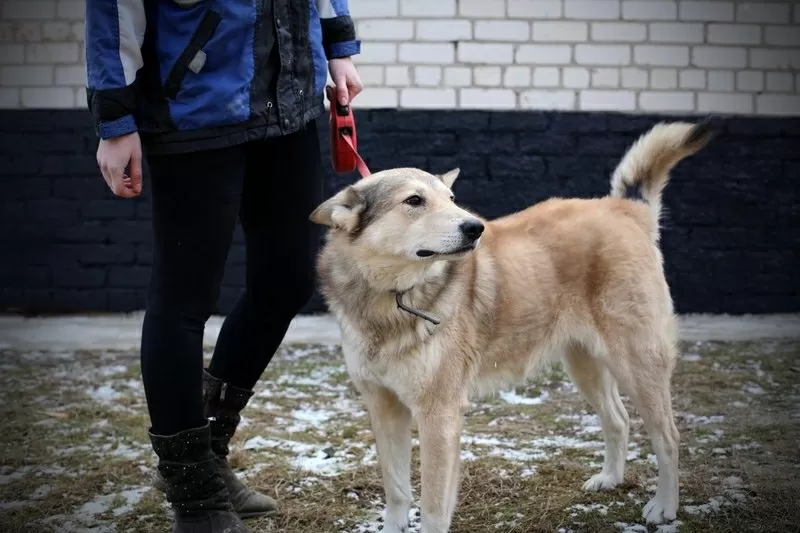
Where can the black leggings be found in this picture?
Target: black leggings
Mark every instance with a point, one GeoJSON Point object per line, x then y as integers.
{"type": "Point", "coordinates": [272, 186]}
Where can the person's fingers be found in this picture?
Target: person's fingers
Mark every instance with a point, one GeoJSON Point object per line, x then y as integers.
{"type": "Point", "coordinates": [341, 90]}
{"type": "Point", "coordinates": [125, 192]}
{"type": "Point", "coordinates": [116, 175]}
{"type": "Point", "coordinates": [355, 89]}
{"type": "Point", "coordinates": [123, 187]}
{"type": "Point", "coordinates": [136, 171]}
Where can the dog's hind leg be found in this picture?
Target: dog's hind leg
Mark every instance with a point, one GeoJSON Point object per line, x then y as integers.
{"type": "Point", "coordinates": [391, 424]}
{"type": "Point", "coordinates": [648, 384]}
{"type": "Point", "coordinates": [440, 460]}
{"type": "Point", "coordinates": [599, 387]}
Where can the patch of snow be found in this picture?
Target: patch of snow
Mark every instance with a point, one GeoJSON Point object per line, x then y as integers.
{"type": "Point", "coordinates": [598, 508]}
{"type": "Point", "coordinates": [733, 483]}
{"type": "Point", "coordinates": [312, 417]}
{"type": "Point", "coordinates": [467, 455]}
{"type": "Point", "coordinates": [285, 393]}
{"type": "Point", "coordinates": [376, 525]}
{"type": "Point", "coordinates": [53, 470]}
{"type": "Point", "coordinates": [715, 436]}
{"type": "Point", "coordinates": [41, 492]}
{"type": "Point", "coordinates": [104, 503]}
{"type": "Point", "coordinates": [370, 456]}
{"type": "Point", "coordinates": [640, 528]}
{"type": "Point", "coordinates": [104, 393]}
{"type": "Point", "coordinates": [257, 443]}
{"type": "Point", "coordinates": [124, 450]}
{"type": "Point", "coordinates": [17, 504]}
{"type": "Point", "coordinates": [321, 459]}
{"type": "Point", "coordinates": [631, 528]}
{"type": "Point", "coordinates": [754, 389]}
{"type": "Point", "coordinates": [513, 398]}
{"type": "Point", "coordinates": [713, 505]}
{"type": "Point", "coordinates": [747, 446]}
{"type": "Point", "coordinates": [78, 524]}
{"type": "Point", "coordinates": [522, 451]}
{"type": "Point", "coordinates": [733, 492]}
{"type": "Point", "coordinates": [131, 497]}
{"type": "Point", "coordinates": [694, 420]}
{"type": "Point", "coordinates": [589, 423]}
{"type": "Point", "coordinates": [108, 449]}
{"type": "Point", "coordinates": [113, 370]}
{"type": "Point", "coordinates": [9, 476]}
{"type": "Point", "coordinates": [669, 528]}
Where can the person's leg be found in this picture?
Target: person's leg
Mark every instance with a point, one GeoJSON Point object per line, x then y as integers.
{"type": "Point", "coordinates": [195, 200]}
{"type": "Point", "coordinates": [283, 185]}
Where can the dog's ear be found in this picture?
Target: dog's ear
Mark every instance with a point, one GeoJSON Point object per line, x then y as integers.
{"type": "Point", "coordinates": [341, 211]}
{"type": "Point", "coordinates": [450, 176]}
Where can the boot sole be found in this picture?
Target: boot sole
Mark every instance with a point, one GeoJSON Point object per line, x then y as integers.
{"type": "Point", "coordinates": [161, 487]}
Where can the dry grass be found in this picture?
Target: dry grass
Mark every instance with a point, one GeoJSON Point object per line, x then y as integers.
{"type": "Point", "coordinates": [75, 455]}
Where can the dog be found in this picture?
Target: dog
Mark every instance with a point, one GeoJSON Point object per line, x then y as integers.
{"type": "Point", "coordinates": [437, 306]}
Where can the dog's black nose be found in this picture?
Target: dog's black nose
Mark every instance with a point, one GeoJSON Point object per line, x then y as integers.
{"type": "Point", "coordinates": [472, 229]}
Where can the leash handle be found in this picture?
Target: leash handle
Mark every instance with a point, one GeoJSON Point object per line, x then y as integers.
{"type": "Point", "coordinates": [343, 139]}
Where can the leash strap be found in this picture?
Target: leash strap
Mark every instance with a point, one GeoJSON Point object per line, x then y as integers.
{"type": "Point", "coordinates": [362, 167]}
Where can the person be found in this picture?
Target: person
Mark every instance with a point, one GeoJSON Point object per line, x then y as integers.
{"type": "Point", "coordinates": [223, 97]}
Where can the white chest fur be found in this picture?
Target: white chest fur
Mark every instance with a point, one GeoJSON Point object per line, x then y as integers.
{"type": "Point", "coordinates": [402, 364]}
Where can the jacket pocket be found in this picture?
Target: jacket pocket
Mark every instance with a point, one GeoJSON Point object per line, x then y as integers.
{"type": "Point", "coordinates": [192, 58]}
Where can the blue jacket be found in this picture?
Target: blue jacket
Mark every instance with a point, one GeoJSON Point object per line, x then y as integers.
{"type": "Point", "coordinates": [202, 74]}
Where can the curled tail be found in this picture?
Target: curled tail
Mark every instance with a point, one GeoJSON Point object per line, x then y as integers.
{"type": "Point", "coordinates": [648, 162]}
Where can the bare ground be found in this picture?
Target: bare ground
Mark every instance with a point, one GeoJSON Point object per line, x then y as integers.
{"type": "Point", "coordinates": [75, 454]}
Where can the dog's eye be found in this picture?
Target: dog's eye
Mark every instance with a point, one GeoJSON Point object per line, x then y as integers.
{"type": "Point", "coordinates": [452, 198]}
{"type": "Point", "coordinates": [413, 200]}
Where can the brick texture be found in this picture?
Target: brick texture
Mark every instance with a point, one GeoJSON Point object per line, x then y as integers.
{"type": "Point", "coordinates": [76, 248]}
{"type": "Point", "coordinates": [530, 52]}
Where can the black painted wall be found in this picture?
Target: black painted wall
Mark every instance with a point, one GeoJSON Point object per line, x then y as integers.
{"type": "Point", "coordinates": [730, 243]}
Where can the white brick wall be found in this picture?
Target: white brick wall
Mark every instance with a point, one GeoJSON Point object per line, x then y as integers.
{"type": "Point", "coordinates": [695, 56]}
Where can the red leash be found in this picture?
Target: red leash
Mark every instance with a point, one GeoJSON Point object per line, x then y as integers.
{"type": "Point", "coordinates": [344, 143]}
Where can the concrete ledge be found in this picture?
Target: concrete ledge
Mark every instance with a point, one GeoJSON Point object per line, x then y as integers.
{"type": "Point", "coordinates": [121, 332]}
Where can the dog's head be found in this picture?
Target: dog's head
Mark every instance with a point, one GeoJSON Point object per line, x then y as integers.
{"type": "Point", "coordinates": [404, 214]}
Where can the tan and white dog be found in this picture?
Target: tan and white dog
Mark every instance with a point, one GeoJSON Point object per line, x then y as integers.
{"type": "Point", "coordinates": [437, 305]}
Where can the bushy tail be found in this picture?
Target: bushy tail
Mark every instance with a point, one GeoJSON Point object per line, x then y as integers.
{"type": "Point", "coordinates": [648, 162]}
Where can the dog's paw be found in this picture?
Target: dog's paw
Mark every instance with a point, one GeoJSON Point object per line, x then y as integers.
{"type": "Point", "coordinates": [658, 511]}
{"type": "Point", "coordinates": [601, 481]}
{"type": "Point", "coordinates": [397, 521]}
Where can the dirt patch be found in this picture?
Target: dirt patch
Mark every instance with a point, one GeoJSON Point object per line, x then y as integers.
{"type": "Point", "coordinates": [75, 454]}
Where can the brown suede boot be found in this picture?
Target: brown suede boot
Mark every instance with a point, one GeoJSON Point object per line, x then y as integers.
{"type": "Point", "coordinates": [193, 485]}
{"type": "Point", "coordinates": [223, 404]}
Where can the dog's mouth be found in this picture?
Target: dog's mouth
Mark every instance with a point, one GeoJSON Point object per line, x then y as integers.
{"type": "Point", "coordinates": [462, 250]}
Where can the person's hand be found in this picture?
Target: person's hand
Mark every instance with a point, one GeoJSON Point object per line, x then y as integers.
{"type": "Point", "coordinates": [113, 156]}
{"type": "Point", "coordinates": [345, 77]}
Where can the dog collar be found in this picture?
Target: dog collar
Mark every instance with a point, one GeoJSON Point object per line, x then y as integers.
{"type": "Point", "coordinates": [398, 297]}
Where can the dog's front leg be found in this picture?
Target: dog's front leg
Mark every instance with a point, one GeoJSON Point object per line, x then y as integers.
{"type": "Point", "coordinates": [391, 424]}
{"type": "Point", "coordinates": [440, 459]}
